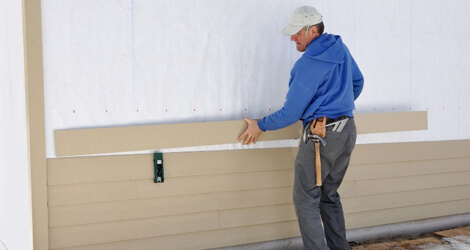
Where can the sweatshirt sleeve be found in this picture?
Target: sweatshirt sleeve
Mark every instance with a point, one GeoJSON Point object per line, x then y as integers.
{"type": "Point", "coordinates": [298, 98]}
{"type": "Point", "coordinates": [358, 79]}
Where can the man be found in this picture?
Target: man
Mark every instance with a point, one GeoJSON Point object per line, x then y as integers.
{"type": "Point", "coordinates": [324, 82]}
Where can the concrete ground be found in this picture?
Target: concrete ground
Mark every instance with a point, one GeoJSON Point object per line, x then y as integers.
{"type": "Point", "coordinates": [453, 239]}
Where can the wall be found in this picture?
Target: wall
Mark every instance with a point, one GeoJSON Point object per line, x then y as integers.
{"type": "Point", "coordinates": [15, 199]}
{"type": "Point", "coordinates": [423, 56]}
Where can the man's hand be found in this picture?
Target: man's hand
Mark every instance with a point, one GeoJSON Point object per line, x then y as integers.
{"type": "Point", "coordinates": [251, 133]}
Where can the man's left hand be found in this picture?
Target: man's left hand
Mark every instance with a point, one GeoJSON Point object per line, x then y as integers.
{"type": "Point", "coordinates": [252, 133]}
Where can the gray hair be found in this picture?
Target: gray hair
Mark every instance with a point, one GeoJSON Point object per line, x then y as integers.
{"type": "Point", "coordinates": [320, 27]}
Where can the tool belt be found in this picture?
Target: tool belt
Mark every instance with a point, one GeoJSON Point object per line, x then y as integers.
{"type": "Point", "coordinates": [318, 127]}
{"type": "Point", "coordinates": [317, 132]}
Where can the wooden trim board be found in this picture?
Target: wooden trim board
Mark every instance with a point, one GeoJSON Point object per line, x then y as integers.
{"type": "Point", "coordinates": [153, 137]}
{"type": "Point", "coordinates": [32, 32]}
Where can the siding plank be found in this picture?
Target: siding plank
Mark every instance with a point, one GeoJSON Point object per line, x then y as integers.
{"type": "Point", "coordinates": [152, 137]}
{"type": "Point", "coordinates": [273, 231]}
{"type": "Point", "coordinates": [99, 169]}
{"type": "Point", "coordinates": [409, 168]}
{"type": "Point", "coordinates": [286, 212]}
{"type": "Point", "coordinates": [207, 239]}
{"type": "Point", "coordinates": [257, 215]}
{"type": "Point", "coordinates": [135, 167]}
{"type": "Point", "coordinates": [91, 193]}
{"type": "Point", "coordinates": [408, 183]}
{"type": "Point", "coordinates": [395, 215]}
{"type": "Point", "coordinates": [128, 190]}
{"type": "Point", "coordinates": [75, 214]}
{"type": "Point", "coordinates": [410, 151]}
{"type": "Point", "coordinates": [215, 183]}
{"type": "Point", "coordinates": [127, 230]}
{"type": "Point", "coordinates": [391, 122]}
{"type": "Point", "coordinates": [154, 207]}
{"type": "Point", "coordinates": [404, 199]}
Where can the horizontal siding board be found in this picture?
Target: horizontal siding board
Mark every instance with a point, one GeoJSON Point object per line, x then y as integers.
{"type": "Point", "coordinates": [153, 137]}
{"type": "Point", "coordinates": [229, 183]}
{"type": "Point", "coordinates": [395, 215]}
{"type": "Point", "coordinates": [409, 151]}
{"type": "Point", "coordinates": [206, 239]}
{"type": "Point", "coordinates": [391, 122]}
{"type": "Point", "coordinates": [409, 183]}
{"type": "Point", "coordinates": [408, 168]}
{"type": "Point", "coordinates": [252, 202]}
{"type": "Point", "coordinates": [257, 215]}
{"type": "Point", "coordinates": [91, 193]}
{"type": "Point", "coordinates": [135, 167]}
{"type": "Point", "coordinates": [65, 211]}
{"type": "Point", "coordinates": [155, 207]}
{"type": "Point", "coordinates": [347, 189]}
{"type": "Point", "coordinates": [286, 212]}
{"type": "Point", "coordinates": [113, 191]}
{"type": "Point", "coordinates": [62, 237]}
{"type": "Point", "coordinates": [99, 169]}
{"type": "Point", "coordinates": [215, 183]}
{"type": "Point", "coordinates": [226, 162]}
{"type": "Point", "coordinates": [273, 231]}
{"type": "Point", "coordinates": [118, 191]}
{"type": "Point", "coordinates": [394, 156]}
{"type": "Point", "coordinates": [404, 199]}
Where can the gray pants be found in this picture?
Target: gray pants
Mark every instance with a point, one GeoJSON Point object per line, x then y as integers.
{"type": "Point", "coordinates": [314, 204]}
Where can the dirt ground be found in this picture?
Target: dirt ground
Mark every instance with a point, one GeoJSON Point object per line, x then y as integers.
{"type": "Point", "coordinates": [454, 239]}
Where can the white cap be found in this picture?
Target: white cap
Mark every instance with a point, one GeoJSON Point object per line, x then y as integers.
{"type": "Point", "coordinates": [302, 16]}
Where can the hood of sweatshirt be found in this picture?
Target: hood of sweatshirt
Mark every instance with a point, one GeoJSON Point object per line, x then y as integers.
{"type": "Point", "coordinates": [327, 48]}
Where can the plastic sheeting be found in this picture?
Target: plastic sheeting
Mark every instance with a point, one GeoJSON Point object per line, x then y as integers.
{"type": "Point", "coordinates": [130, 62]}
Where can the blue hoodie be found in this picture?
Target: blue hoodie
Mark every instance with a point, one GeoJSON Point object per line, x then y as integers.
{"type": "Point", "coordinates": [325, 81]}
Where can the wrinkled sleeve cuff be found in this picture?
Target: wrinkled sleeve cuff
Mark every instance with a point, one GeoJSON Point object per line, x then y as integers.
{"type": "Point", "coordinates": [261, 125]}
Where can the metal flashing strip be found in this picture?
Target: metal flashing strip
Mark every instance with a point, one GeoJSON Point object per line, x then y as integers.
{"type": "Point", "coordinates": [412, 228]}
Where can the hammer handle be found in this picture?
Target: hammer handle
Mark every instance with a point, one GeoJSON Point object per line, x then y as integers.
{"type": "Point", "coordinates": [318, 164]}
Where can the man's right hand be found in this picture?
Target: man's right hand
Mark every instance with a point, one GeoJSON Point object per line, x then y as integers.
{"type": "Point", "coordinates": [252, 133]}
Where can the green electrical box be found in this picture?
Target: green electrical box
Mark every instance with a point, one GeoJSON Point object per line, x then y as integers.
{"type": "Point", "coordinates": [158, 167]}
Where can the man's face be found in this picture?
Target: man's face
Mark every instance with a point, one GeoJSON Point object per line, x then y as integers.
{"type": "Point", "coordinates": [303, 38]}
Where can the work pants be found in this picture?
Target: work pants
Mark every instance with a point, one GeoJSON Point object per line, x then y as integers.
{"type": "Point", "coordinates": [314, 204]}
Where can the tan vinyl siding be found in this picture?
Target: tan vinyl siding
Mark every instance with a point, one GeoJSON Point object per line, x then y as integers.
{"type": "Point", "coordinates": [223, 198]}
{"type": "Point", "coordinates": [205, 239]}
{"type": "Point", "coordinates": [138, 167]}
{"type": "Point", "coordinates": [151, 137]}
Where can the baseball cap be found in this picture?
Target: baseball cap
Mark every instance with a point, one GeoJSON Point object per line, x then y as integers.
{"type": "Point", "coordinates": [302, 16]}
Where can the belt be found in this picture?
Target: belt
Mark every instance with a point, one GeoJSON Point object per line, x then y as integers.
{"type": "Point", "coordinates": [329, 123]}
{"type": "Point", "coordinates": [329, 120]}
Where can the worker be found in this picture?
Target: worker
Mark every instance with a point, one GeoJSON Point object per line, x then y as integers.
{"type": "Point", "coordinates": [324, 82]}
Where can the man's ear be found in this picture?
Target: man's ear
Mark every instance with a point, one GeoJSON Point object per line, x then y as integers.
{"type": "Point", "coordinates": [314, 29]}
